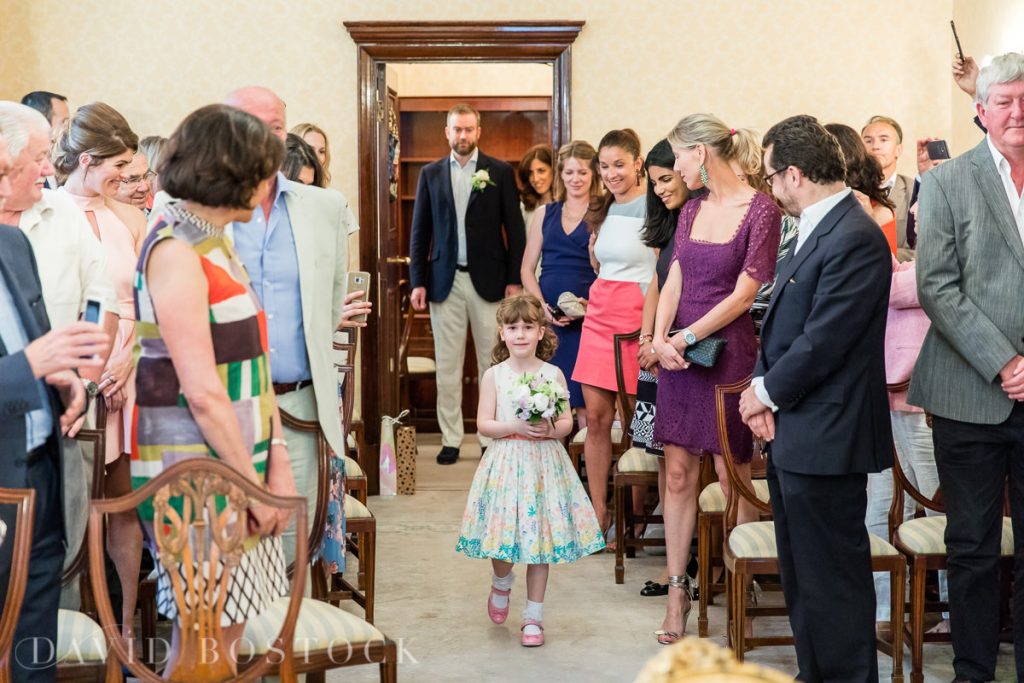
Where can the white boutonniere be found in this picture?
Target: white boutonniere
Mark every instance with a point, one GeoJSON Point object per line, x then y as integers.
{"type": "Point", "coordinates": [481, 179]}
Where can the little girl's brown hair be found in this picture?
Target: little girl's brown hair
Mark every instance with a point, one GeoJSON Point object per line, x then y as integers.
{"type": "Point", "coordinates": [525, 308]}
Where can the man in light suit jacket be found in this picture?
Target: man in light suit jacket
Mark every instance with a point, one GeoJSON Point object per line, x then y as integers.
{"type": "Point", "coordinates": [467, 242]}
{"type": "Point", "coordinates": [970, 374]}
{"type": "Point", "coordinates": [295, 250]}
{"type": "Point", "coordinates": [40, 397]}
{"type": "Point", "coordinates": [819, 397]}
{"type": "Point", "coordinates": [883, 137]}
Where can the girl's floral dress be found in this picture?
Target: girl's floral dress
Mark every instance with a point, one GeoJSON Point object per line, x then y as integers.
{"type": "Point", "coordinates": [526, 503]}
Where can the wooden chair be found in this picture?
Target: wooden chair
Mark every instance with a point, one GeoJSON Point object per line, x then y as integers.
{"type": "Point", "coordinates": [355, 476]}
{"type": "Point", "coordinates": [634, 468]}
{"type": "Point", "coordinates": [21, 538]}
{"type": "Point", "coordinates": [410, 367]}
{"type": "Point", "coordinates": [81, 645]}
{"type": "Point", "coordinates": [922, 541]}
{"type": "Point", "coordinates": [750, 549]}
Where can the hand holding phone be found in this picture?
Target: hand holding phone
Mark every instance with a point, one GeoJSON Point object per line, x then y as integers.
{"type": "Point", "coordinates": [359, 281]}
{"type": "Point", "coordinates": [938, 150]}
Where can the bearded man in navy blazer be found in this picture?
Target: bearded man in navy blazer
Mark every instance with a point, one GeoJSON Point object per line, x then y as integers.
{"type": "Point", "coordinates": [819, 398]}
{"type": "Point", "coordinates": [467, 243]}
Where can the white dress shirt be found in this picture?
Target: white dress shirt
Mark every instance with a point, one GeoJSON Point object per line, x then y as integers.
{"type": "Point", "coordinates": [809, 219]}
{"type": "Point", "coordinates": [462, 188]}
{"type": "Point", "coordinates": [1016, 200]}
{"type": "Point", "coordinates": [71, 261]}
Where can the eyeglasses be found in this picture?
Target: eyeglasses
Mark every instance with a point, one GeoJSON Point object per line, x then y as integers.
{"type": "Point", "coordinates": [136, 179]}
{"type": "Point", "coordinates": [771, 176]}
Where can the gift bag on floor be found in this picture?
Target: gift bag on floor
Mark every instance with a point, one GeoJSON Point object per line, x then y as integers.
{"type": "Point", "coordinates": [405, 456]}
{"type": "Point", "coordinates": [388, 464]}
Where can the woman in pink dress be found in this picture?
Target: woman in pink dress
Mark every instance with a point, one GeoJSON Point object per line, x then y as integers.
{"type": "Point", "coordinates": [91, 153]}
{"type": "Point", "coordinates": [624, 266]}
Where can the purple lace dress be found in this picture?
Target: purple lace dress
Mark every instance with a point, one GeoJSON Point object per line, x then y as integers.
{"type": "Point", "coordinates": [686, 398]}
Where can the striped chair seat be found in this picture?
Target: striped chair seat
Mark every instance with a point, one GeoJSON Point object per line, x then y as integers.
{"type": "Point", "coordinates": [926, 536]}
{"type": "Point", "coordinates": [712, 498]}
{"type": "Point", "coordinates": [756, 540]}
{"type": "Point", "coordinates": [637, 460]}
{"type": "Point", "coordinates": [420, 365]}
{"type": "Point", "coordinates": [581, 435]}
{"type": "Point", "coordinates": [356, 510]}
{"type": "Point", "coordinates": [320, 626]}
{"type": "Point", "coordinates": [79, 639]}
{"type": "Point", "coordinates": [352, 468]}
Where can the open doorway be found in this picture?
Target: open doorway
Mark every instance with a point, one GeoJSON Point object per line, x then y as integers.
{"type": "Point", "coordinates": [381, 248]}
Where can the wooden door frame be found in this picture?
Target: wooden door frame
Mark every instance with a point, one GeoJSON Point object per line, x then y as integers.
{"type": "Point", "coordinates": [380, 42]}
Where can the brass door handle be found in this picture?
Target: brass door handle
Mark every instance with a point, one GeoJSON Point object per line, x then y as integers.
{"type": "Point", "coordinates": [400, 260]}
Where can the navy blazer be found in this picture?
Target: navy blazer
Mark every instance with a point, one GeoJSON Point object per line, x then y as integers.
{"type": "Point", "coordinates": [823, 349]}
{"type": "Point", "coordinates": [18, 389]}
{"type": "Point", "coordinates": [495, 234]}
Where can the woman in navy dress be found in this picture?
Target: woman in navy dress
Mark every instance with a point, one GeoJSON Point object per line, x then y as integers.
{"type": "Point", "coordinates": [559, 239]}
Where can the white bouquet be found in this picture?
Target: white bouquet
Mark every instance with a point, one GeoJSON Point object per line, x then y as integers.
{"type": "Point", "coordinates": [539, 399]}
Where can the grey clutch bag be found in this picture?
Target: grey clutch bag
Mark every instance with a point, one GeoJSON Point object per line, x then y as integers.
{"type": "Point", "coordinates": [705, 352]}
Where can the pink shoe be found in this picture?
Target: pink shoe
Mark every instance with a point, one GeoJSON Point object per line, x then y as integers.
{"type": "Point", "coordinates": [498, 616]}
{"type": "Point", "coordinates": [532, 641]}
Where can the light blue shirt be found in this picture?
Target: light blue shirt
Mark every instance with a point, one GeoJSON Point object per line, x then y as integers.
{"type": "Point", "coordinates": [38, 423]}
{"type": "Point", "coordinates": [267, 249]}
{"type": "Point", "coordinates": [462, 188]}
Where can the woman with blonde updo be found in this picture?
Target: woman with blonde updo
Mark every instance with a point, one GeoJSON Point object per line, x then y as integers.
{"type": "Point", "coordinates": [316, 138]}
{"type": "Point", "coordinates": [91, 153]}
{"type": "Point", "coordinates": [725, 248]}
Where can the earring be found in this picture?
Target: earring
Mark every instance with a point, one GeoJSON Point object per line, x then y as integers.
{"type": "Point", "coordinates": [639, 177]}
{"type": "Point", "coordinates": [703, 174]}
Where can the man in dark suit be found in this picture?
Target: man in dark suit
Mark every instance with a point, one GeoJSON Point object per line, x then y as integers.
{"type": "Point", "coordinates": [35, 379]}
{"type": "Point", "coordinates": [970, 373]}
{"type": "Point", "coordinates": [819, 397]}
{"type": "Point", "coordinates": [467, 243]}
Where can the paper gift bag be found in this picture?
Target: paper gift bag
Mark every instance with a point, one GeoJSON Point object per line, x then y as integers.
{"type": "Point", "coordinates": [405, 455]}
{"type": "Point", "coordinates": [388, 469]}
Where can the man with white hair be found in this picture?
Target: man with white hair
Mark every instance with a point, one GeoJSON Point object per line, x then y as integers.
{"type": "Point", "coordinates": [71, 265]}
{"type": "Point", "coordinates": [970, 374]}
{"type": "Point", "coordinates": [295, 251]}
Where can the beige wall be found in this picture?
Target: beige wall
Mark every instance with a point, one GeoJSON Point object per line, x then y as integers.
{"type": "Point", "coordinates": [642, 64]}
{"type": "Point", "coordinates": [480, 80]}
{"type": "Point", "coordinates": [987, 28]}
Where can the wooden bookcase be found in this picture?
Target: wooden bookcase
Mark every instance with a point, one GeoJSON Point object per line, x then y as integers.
{"type": "Point", "coordinates": [509, 126]}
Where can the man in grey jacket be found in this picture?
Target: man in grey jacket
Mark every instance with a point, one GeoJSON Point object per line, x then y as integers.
{"type": "Point", "coordinates": [970, 374]}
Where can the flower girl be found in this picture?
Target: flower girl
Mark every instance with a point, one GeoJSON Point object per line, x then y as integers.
{"type": "Point", "coordinates": [526, 503]}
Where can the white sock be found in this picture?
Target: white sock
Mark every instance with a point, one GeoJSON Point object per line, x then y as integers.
{"type": "Point", "coordinates": [535, 611]}
{"type": "Point", "coordinates": [502, 583]}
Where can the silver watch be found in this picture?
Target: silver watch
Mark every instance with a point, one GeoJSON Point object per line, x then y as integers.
{"type": "Point", "coordinates": [689, 337]}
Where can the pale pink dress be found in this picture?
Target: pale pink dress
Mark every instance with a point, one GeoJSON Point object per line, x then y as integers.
{"type": "Point", "coordinates": [119, 248]}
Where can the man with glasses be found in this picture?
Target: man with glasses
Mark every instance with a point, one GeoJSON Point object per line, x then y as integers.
{"type": "Point", "coordinates": [135, 187]}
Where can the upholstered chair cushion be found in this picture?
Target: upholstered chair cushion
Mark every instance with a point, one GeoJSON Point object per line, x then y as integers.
{"type": "Point", "coordinates": [926, 536]}
{"type": "Point", "coordinates": [712, 498]}
{"type": "Point", "coordinates": [320, 626]}
{"type": "Point", "coordinates": [79, 639]}
{"type": "Point", "coordinates": [756, 540]}
{"type": "Point", "coordinates": [637, 460]}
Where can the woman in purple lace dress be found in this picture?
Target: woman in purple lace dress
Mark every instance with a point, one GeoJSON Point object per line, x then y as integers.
{"type": "Point", "coordinates": [725, 248]}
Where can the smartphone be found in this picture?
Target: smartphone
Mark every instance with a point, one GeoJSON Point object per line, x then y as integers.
{"type": "Point", "coordinates": [557, 312]}
{"type": "Point", "coordinates": [938, 150]}
{"type": "Point", "coordinates": [93, 311]}
{"type": "Point", "coordinates": [959, 50]}
{"type": "Point", "coordinates": [359, 281]}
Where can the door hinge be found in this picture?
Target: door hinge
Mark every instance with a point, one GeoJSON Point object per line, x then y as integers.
{"type": "Point", "coordinates": [380, 108]}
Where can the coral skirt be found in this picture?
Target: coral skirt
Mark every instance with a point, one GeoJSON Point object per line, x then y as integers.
{"type": "Point", "coordinates": [615, 307]}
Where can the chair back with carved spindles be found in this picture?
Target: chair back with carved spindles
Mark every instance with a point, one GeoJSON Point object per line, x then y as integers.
{"type": "Point", "coordinates": [902, 485]}
{"type": "Point", "coordinates": [200, 527]}
{"type": "Point", "coordinates": [737, 487]}
{"type": "Point", "coordinates": [627, 402]}
{"type": "Point", "coordinates": [20, 537]}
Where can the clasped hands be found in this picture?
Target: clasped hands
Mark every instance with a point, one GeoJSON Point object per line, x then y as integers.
{"type": "Point", "coordinates": [756, 415]}
{"type": "Point", "coordinates": [670, 352]}
{"type": "Point", "coordinates": [1012, 376]}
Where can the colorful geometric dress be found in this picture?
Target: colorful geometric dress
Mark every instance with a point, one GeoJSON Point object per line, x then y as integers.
{"type": "Point", "coordinates": [526, 503]}
{"type": "Point", "coordinates": [164, 432]}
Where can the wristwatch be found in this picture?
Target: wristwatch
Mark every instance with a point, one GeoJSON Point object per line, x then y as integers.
{"type": "Point", "coordinates": [689, 337]}
{"type": "Point", "coordinates": [91, 388]}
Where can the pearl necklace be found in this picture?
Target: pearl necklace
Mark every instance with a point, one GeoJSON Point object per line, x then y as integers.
{"type": "Point", "coordinates": [204, 225]}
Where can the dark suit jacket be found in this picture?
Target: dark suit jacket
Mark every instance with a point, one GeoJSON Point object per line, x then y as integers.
{"type": "Point", "coordinates": [823, 349]}
{"type": "Point", "coordinates": [495, 235]}
{"type": "Point", "coordinates": [19, 394]}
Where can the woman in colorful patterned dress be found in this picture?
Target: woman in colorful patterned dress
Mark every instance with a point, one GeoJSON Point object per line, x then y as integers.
{"type": "Point", "coordinates": [202, 382]}
{"type": "Point", "coordinates": [526, 503]}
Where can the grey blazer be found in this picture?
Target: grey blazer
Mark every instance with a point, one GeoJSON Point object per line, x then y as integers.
{"type": "Point", "coordinates": [970, 275]}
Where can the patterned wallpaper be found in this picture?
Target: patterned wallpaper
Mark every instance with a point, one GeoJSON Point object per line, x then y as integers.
{"type": "Point", "coordinates": [642, 64]}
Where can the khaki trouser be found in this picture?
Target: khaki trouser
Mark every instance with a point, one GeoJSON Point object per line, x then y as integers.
{"type": "Point", "coordinates": [463, 309]}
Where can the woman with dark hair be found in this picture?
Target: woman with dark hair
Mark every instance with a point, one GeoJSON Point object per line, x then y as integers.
{"type": "Point", "coordinates": [558, 236]}
{"type": "Point", "coordinates": [203, 378]}
{"type": "Point", "coordinates": [624, 266]}
{"type": "Point", "coordinates": [92, 152]}
{"type": "Point", "coordinates": [301, 163]}
{"type": "Point", "coordinates": [865, 177]}
{"type": "Point", "coordinates": [666, 194]}
{"type": "Point", "coordinates": [535, 180]}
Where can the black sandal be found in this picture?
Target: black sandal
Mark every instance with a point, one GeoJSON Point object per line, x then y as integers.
{"type": "Point", "coordinates": [654, 589]}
